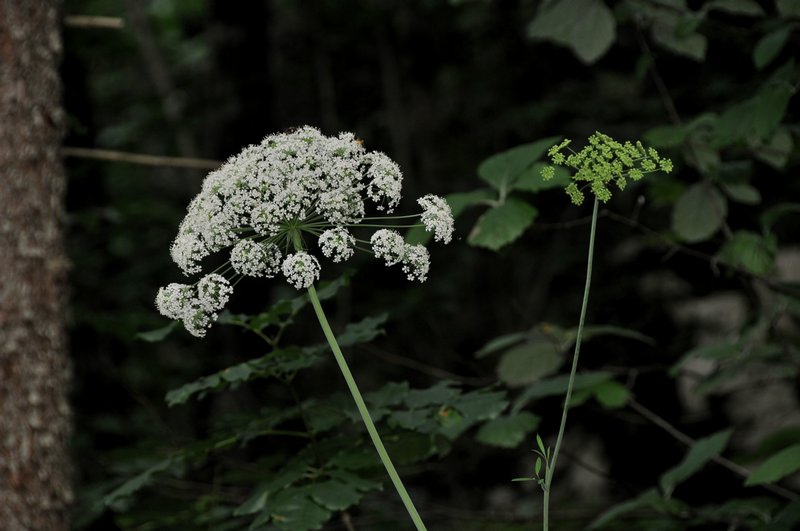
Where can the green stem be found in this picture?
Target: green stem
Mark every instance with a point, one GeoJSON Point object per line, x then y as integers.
{"type": "Point", "coordinates": [362, 408]}
{"type": "Point", "coordinates": [552, 465]}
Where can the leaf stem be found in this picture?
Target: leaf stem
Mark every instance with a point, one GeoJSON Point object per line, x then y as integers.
{"type": "Point", "coordinates": [552, 465]}
{"type": "Point", "coordinates": [362, 408]}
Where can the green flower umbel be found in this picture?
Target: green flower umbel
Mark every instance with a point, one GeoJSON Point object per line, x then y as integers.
{"type": "Point", "coordinates": [602, 162]}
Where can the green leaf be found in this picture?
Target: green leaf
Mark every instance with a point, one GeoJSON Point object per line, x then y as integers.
{"type": "Point", "coordinates": [750, 251]}
{"type": "Point", "coordinates": [538, 466]}
{"type": "Point", "coordinates": [558, 386]}
{"type": "Point", "coordinates": [788, 8]}
{"type": "Point", "coordinates": [612, 394]}
{"type": "Point", "coordinates": [503, 224]}
{"type": "Point", "coordinates": [699, 213]}
{"type": "Point", "coordinates": [666, 136]}
{"type": "Point", "coordinates": [701, 452]}
{"type": "Point", "coordinates": [709, 352]}
{"type": "Point", "coordinates": [776, 152]}
{"type": "Point", "coordinates": [529, 362]}
{"type": "Point", "coordinates": [531, 179]}
{"type": "Point", "coordinates": [481, 404]}
{"type": "Point", "coordinates": [540, 444]}
{"type": "Point", "coordinates": [692, 45]}
{"type": "Point", "coordinates": [508, 431]}
{"type": "Point", "coordinates": [437, 395]}
{"type": "Point", "coordinates": [591, 331]}
{"type": "Point", "coordinates": [500, 343]}
{"type": "Point", "coordinates": [363, 331]}
{"type": "Point", "coordinates": [292, 510]}
{"type": "Point", "coordinates": [780, 465]}
{"type": "Point", "coordinates": [154, 336]}
{"type": "Point", "coordinates": [139, 481]}
{"type": "Point", "coordinates": [334, 495]}
{"type": "Point", "coordinates": [742, 193]}
{"type": "Point", "coordinates": [770, 45]}
{"type": "Point", "coordinates": [649, 499]}
{"type": "Point", "coordinates": [502, 170]}
{"type": "Point", "coordinates": [586, 26]}
{"type": "Point", "coordinates": [772, 215]}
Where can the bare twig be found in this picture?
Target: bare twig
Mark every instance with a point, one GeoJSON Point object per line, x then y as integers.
{"type": "Point", "coordinates": [139, 158]}
{"type": "Point", "coordinates": [688, 441]}
{"type": "Point", "coordinates": [88, 21]}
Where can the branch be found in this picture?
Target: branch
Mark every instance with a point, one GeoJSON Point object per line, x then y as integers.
{"type": "Point", "coordinates": [139, 158]}
{"type": "Point", "coordinates": [88, 21]}
{"type": "Point", "coordinates": [688, 441]}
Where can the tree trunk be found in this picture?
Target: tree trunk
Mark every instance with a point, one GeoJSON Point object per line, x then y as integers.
{"type": "Point", "coordinates": [35, 491]}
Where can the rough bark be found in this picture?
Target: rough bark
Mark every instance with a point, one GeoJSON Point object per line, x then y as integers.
{"type": "Point", "coordinates": [35, 491]}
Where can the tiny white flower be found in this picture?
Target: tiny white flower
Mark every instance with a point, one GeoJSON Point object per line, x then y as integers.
{"type": "Point", "coordinates": [266, 218]}
{"type": "Point", "coordinates": [416, 262]}
{"type": "Point", "coordinates": [187, 251]}
{"type": "Point", "coordinates": [172, 300]}
{"type": "Point", "coordinates": [337, 244]}
{"type": "Point", "coordinates": [301, 269]}
{"type": "Point", "coordinates": [256, 259]}
{"type": "Point", "coordinates": [197, 320]}
{"type": "Point", "coordinates": [389, 245]}
{"type": "Point", "coordinates": [386, 181]}
{"type": "Point", "coordinates": [437, 217]}
{"type": "Point", "coordinates": [213, 292]}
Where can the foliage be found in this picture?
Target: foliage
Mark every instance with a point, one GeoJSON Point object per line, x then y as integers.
{"type": "Point", "coordinates": [696, 318]}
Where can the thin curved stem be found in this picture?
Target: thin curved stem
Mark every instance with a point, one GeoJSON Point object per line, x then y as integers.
{"type": "Point", "coordinates": [552, 465]}
{"type": "Point", "coordinates": [362, 409]}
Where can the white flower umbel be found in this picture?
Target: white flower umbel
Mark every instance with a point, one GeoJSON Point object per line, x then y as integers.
{"type": "Point", "coordinates": [301, 269]}
{"type": "Point", "coordinates": [213, 292]}
{"type": "Point", "coordinates": [437, 217]}
{"type": "Point", "coordinates": [416, 262]}
{"type": "Point", "coordinates": [337, 244]}
{"type": "Point", "coordinates": [256, 259]}
{"type": "Point", "coordinates": [173, 299]}
{"type": "Point", "coordinates": [389, 245]}
{"type": "Point", "coordinates": [279, 196]}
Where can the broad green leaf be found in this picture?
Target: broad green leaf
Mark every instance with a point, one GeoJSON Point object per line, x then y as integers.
{"type": "Point", "coordinates": [770, 45]}
{"type": "Point", "coordinates": [334, 495]}
{"type": "Point", "coordinates": [590, 331]}
{"type": "Point", "coordinates": [735, 7]}
{"type": "Point", "coordinates": [508, 431]}
{"type": "Point", "coordinates": [531, 179]}
{"type": "Point", "coordinates": [154, 336]}
{"type": "Point", "coordinates": [788, 8]}
{"type": "Point", "coordinates": [742, 193]}
{"type": "Point", "coordinates": [776, 152]}
{"type": "Point", "coordinates": [558, 386]}
{"type": "Point", "coordinates": [529, 362]}
{"type": "Point", "coordinates": [363, 331]}
{"type": "Point", "coordinates": [481, 404]}
{"type": "Point", "coordinates": [692, 45]}
{"type": "Point", "coordinates": [612, 394]}
{"type": "Point", "coordinates": [440, 394]}
{"type": "Point", "coordinates": [139, 481]}
{"type": "Point", "coordinates": [502, 170]}
{"type": "Point", "coordinates": [293, 471]}
{"type": "Point", "coordinates": [292, 510]}
{"type": "Point", "coordinates": [770, 106]}
{"type": "Point", "coordinates": [649, 499]}
{"type": "Point", "coordinates": [586, 26]}
{"type": "Point", "coordinates": [500, 343]}
{"type": "Point", "coordinates": [750, 251]}
{"type": "Point", "coordinates": [460, 202]}
{"type": "Point", "coordinates": [716, 351]}
{"type": "Point", "coordinates": [701, 452]}
{"type": "Point", "coordinates": [666, 136]}
{"type": "Point", "coordinates": [503, 224]}
{"type": "Point", "coordinates": [773, 214]}
{"type": "Point", "coordinates": [699, 213]}
{"type": "Point", "coordinates": [782, 464]}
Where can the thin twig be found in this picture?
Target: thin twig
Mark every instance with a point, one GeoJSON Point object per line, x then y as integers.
{"type": "Point", "coordinates": [88, 21]}
{"type": "Point", "coordinates": [688, 441]}
{"type": "Point", "coordinates": [140, 158]}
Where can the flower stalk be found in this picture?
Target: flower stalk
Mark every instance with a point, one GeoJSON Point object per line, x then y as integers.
{"type": "Point", "coordinates": [552, 465]}
{"type": "Point", "coordinates": [362, 409]}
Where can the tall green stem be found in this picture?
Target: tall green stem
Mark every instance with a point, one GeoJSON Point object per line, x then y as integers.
{"type": "Point", "coordinates": [552, 465]}
{"type": "Point", "coordinates": [362, 408]}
